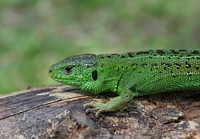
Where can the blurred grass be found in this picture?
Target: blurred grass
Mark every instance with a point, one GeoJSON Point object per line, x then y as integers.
{"type": "Point", "coordinates": [36, 34]}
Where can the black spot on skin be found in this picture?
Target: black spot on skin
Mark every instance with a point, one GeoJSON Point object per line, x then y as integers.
{"type": "Point", "coordinates": [94, 75]}
{"type": "Point", "coordinates": [189, 73]}
{"type": "Point", "coordinates": [144, 64]}
{"type": "Point", "coordinates": [88, 66]}
{"type": "Point", "coordinates": [174, 51]}
{"type": "Point", "coordinates": [182, 50]}
{"type": "Point", "coordinates": [139, 72]}
{"type": "Point", "coordinates": [168, 64]}
{"type": "Point", "coordinates": [195, 52]}
{"type": "Point", "coordinates": [174, 75]}
{"type": "Point", "coordinates": [114, 54]}
{"type": "Point", "coordinates": [133, 88]}
{"type": "Point", "coordinates": [108, 56]}
{"type": "Point", "coordinates": [160, 52]}
{"type": "Point", "coordinates": [102, 57]}
{"type": "Point", "coordinates": [165, 68]}
{"type": "Point", "coordinates": [95, 64]}
{"type": "Point", "coordinates": [162, 63]}
{"type": "Point", "coordinates": [123, 56]}
{"type": "Point", "coordinates": [124, 67]}
{"type": "Point", "coordinates": [134, 64]}
{"type": "Point", "coordinates": [143, 52]}
{"type": "Point", "coordinates": [197, 67]}
{"type": "Point", "coordinates": [134, 69]}
{"type": "Point", "coordinates": [187, 65]}
{"type": "Point", "coordinates": [101, 65]}
{"type": "Point", "coordinates": [154, 64]}
{"type": "Point", "coordinates": [129, 54]}
{"type": "Point", "coordinates": [177, 65]}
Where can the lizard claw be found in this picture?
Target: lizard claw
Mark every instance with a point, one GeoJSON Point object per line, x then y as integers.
{"type": "Point", "coordinates": [97, 106]}
{"type": "Point", "coordinates": [93, 104]}
{"type": "Point", "coordinates": [91, 110]}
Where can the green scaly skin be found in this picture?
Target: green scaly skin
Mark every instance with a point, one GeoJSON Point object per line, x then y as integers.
{"type": "Point", "coordinates": [129, 75]}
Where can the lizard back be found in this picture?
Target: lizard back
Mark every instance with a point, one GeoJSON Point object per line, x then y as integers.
{"type": "Point", "coordinates": [155, 70]}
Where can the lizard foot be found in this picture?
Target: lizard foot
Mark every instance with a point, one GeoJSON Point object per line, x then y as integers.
{"type": "Point", "coordinates": [97, 106]}
{"type": "Point", "coordinates": [113, 104]}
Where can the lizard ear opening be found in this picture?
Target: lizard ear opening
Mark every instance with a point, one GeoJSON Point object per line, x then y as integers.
{"type": "Point", "coordinates": [94, 75]}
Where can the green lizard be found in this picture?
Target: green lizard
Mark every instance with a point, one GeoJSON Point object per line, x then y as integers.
{"type": "Point", "coordinates": [129, 75]}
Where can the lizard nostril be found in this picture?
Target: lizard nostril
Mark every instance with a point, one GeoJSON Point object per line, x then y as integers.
{"type": "Point", "coordinates": [50, 71]}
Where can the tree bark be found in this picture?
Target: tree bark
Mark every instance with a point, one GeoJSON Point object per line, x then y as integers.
{"type": "Point", "coordinates": [42, 112]}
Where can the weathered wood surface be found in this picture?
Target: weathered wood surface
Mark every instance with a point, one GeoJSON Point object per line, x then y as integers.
{"type": "Point", "coordinates": [43, 113]}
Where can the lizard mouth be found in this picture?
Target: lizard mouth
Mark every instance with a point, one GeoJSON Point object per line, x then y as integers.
{"type": "Point", "coordinates": [64, 79]}
{"type": "Point", "coordinates": [67, 81]}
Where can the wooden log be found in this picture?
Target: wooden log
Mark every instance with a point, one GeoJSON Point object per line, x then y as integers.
{"type": "Point", "coordinates": [40, 112]}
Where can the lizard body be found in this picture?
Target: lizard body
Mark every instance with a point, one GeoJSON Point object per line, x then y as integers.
{"type": "Point", "coordinates": [130, 74]}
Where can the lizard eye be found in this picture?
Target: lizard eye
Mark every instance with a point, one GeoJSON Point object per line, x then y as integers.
{"type": "Point", "coordinates": [68, 69]}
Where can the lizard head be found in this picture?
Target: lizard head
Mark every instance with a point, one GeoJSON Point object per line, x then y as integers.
{"type": "Point", "coordinates": [79, 71]}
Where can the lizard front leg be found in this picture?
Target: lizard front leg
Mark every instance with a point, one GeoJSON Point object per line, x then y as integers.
{"type": "Point", "coordinates": [114, 104]}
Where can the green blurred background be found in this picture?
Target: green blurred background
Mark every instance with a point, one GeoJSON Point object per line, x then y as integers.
{"type": "Point", "coordinates": [35, 34]}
